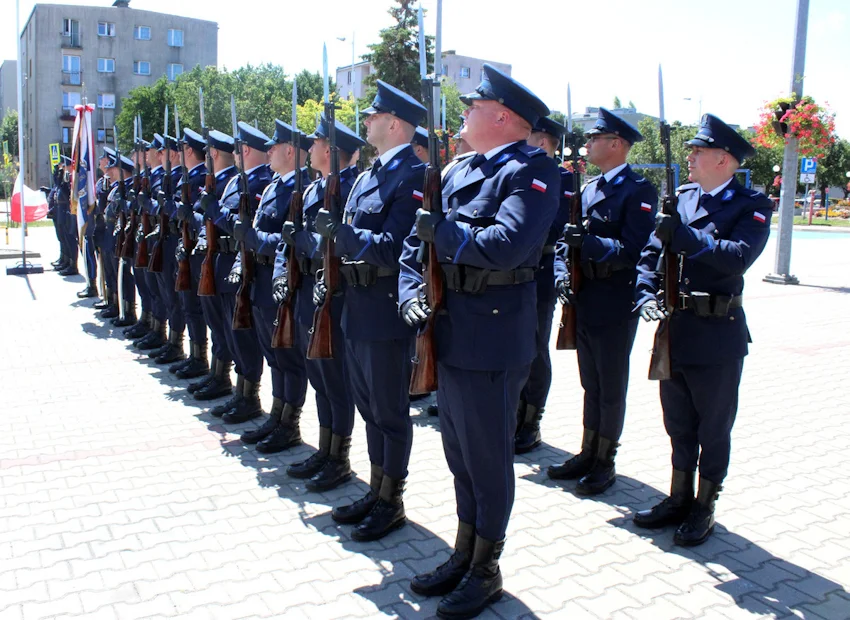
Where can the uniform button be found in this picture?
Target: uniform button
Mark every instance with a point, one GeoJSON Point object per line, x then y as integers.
{"type": "Point", "coordinates": [449, 211]}
{"type": "Point", "coordinates": [370, 209]}
{"type": "Point", "coordinates": [495, 311]}
{"type": "Point", "coordinates": [687, 281]}
{"type": "Point", "coordinates": [475, 212]}
{"type": "Point", "coordinates": [731, 318]}
{"type": "Point", "coordinates": [391, 295]}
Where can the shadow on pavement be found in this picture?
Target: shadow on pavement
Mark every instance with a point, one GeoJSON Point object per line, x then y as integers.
{"type": "Point", "coordinates": [833, 289]}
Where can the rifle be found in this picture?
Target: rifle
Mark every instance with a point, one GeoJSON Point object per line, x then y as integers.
{"type": "Point", "coordinates": [284, 332]}
{"type": "Point", "coordinates": [566, 340]}
{"type": "Point", "coordinates": [166, 191]}
{"type": "Point", "coordinates": [206, 284]}
{"type": "Point", "coordinates": [122, 222]}
{"type": "Point", "coordinates": [242, 318]}
{"type": "Point", "coordinates": [129, 249]}
{"type": "Point", "coordinates": [668, 262]}
{"type": "Point", "coordinates": [423, 379]}
{"type": "Point", "coordinates": [142, 256]}
{"type": "Point", "coordinates": [183, 281]}
{"type": "Point", "coordinates": [321, 333]}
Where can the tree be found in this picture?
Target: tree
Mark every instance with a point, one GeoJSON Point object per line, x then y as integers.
{"type": "Point", "coordinates": [632, 105]}
{"type": "Point", "coordinates": [149, 102]}
{"type": "Point", "coordinates": [9, 131]}
{"type": "Point", "coordinates": [832, 169]}
{"type": "Point", "coordinates": [396, 57]}
{"type": "Point", "coordinates": [617, 103]}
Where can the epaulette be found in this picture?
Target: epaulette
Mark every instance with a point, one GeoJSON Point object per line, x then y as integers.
{"type": "Point", "coordinates": [531, 151]}
{"type": "Point", "coordinates": [752, 194]}
{"type": "Point", "coordinates": [687, 187]}
{"type": "Point", "coordinates": [464, 156]}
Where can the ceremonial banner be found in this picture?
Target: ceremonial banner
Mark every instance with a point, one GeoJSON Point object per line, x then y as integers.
{"type": "Point", "coordinates": [82, 169]}
{"type": "Point", "coordinates": [34, 201]}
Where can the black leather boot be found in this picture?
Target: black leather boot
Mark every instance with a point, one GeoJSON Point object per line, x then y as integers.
{"type": "Point", "coordinates": [602, 475]}
{"type": "Point", "coordinates": [581, 463]}
{"type": "Point", "coordinates": [266, 429]}
{"type": "Point", "coordinates": [70, 270]}
{"type": "Point", "coordinates": [527, 436]}
{"type": "Point", "coordinates": [197, 365]}
{"type": "Point", "coordinates": [232, 403]}
{"type": "Point", "coordinates": [314, 463]}
{"type": "Point", "coordinates": [184, 362]}
{"type": "Point", "coordinates": [672, 510]}
{"type": "Point", "coordinates": [197, 385]}
{"type": "Point", "coordinates": [220, 385]}
{"type": "Point", "coordinates": [89, 291]}
{"type": "Point", "coordinates": [446, 577]}
{"type": "Point", "coordinates": [173, 351]}
{"type": "Point", "coordinates": [337, 469]}
{"type": "Point", "coordinates": [129, 316]}
{"type": "Point", "coordinates": [154, 339]}
{"type": "Point", "coordinates": [481, 585]}
{"type": "Point", "coordinates": [248, 408]}
{"type": "Point", "coordinates": [105, 302]}
{"type": "Point", "coordinates": [140, 328]}
{"type": "Point", "coordinates": [111, 311]}
{"type": "Point", "coordinates": [699, 524]}
{"type": "Point", "coordinates": [286, 435]}
{"type": "Point", "coordinates": [356, 512]}
{"type": "Point", "coordinates": [59, 261]}
{"type": "Point", "coordinates": [386, 516]}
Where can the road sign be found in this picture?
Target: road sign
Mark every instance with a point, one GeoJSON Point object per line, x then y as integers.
{"type": "Point", "coordinates": [54, 154]}
{"type": "Point", "coordinates": [807, 178]}
{"type": "Point", "coordinates": [808, 165]}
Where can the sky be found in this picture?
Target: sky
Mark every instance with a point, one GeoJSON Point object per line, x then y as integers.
{"type": "Point", "coordinates": [726, 57]}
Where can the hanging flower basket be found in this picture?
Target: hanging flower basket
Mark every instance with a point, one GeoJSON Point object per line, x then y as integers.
{"type": "Point", "coordinates": [813, 125]}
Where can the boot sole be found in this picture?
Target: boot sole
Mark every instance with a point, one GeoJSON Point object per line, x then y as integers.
{"type": "Point", "coordinates": [441, 590]}
{"type": "Point", "coordinates": [595, 490]}
{"type": "Point", "coordinates": [693, 543]}
{"type": "Point", "coordinates": [276, 449]}
{"type": "Point", "coordinates": [352, 520]}
{"type": "Point", "coordinates": [180, 374]}
{"type": "Point", "coordinates": [527, 449]}
{"type": "Point", "coordinates": [573, 476]}
{"type": "Point", "coordinates": [213, 395]}
{"type": "Point", "coordinates": [169, 360]}
{"type": "Point", "coordinates": [305, 474]}
{"type": "Point", "coordinates": [355, 535]}
{"type": "Point", "coordinates": [493, 598]}
{"type": "Point", "coordinates": [319, 488]}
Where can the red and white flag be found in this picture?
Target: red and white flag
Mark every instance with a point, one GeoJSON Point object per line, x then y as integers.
{"type": "Point", "coordinates": [759, 217]}
{"type": "Point", "coordinates": [35, 202]}
{"type": "Point", "coordinates": [538, 185]}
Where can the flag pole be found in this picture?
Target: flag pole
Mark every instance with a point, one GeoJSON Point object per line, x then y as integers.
{"type": "Point", "coordinates": [23, 268]}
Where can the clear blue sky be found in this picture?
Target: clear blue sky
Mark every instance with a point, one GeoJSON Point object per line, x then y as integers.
{"type": "Point", "coordinates": [733, 54]}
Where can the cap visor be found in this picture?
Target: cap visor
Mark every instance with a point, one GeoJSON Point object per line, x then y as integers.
{"type": "Point", "coordinates": [270, 142]}
{"type": "Point", "coordinates": [470, 97]}
{"type": "Point", "coordinates": [698, 142]}
{"type": "Point", "coordinates": [370, 110]}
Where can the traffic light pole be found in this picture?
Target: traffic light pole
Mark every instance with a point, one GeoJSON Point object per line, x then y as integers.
{"type": "Point", "coordinates": [782, 267]}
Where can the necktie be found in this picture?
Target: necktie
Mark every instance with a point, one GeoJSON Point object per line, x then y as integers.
{"type": "Point", "coordinates": [376, 166]}
{"type": "Point", "coordinates": [477, 161]}
{"type": "Point", "coordinates": [704, 199]}
{"type": "Point", "coordinates": [601, 183]}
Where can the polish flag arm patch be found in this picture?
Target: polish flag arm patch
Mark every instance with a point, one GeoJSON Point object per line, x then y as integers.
{"type": "Point", "coordinates": [645, 206]}
{"type": "Point", "coordinates": [417, 195]}
{"type": "Point", "coordinates": [759, 217]}
{"type": "Point", "coordinates": [568, 194]}
{"type": "Point", "coordinates": [538, 185]}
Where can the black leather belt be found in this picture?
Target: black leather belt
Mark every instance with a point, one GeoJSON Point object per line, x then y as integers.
{"type": "Point", "coordinates": [226, 245]}
{"type": "Point", "coordinates": [600, 271]}
{"type": "Point", "coordinates": [548, 249]}
{"type": "Point", "coordinates": [709, 305]}
{"type": "Point", "coordinates": [360, 273]}
{"type": "Point", "coordinates": [466, 279]}
{"type": "Point", "coordinates": [310, 265]}
{"type": "Point", "coordinates": [173, 227]}
{"type": "Point", "coordinates": [262, 259]}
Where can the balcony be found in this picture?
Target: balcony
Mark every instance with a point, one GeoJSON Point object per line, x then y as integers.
{"type": "Point", "coordinates": [67, 114]}
{"type": "Point", "coordinates": [72, 41]}
{"type": "Point", "coordinates": [72, 78]}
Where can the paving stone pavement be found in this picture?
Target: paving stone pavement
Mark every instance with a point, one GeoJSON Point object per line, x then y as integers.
{"type": "Point", "coordinates": [123, 499]}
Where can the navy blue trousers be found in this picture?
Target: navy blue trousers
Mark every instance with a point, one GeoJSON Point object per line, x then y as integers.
{"type": "Point", "coordinates": [243, 343]}
{"type": "Point", "coordinates": [603, 364]}
{"type": "Point", "coordinates": [700, 404]}
{"type": "Point", "coordinates": [380, 379]}
{"type": "Point", "coordinates": [215, 317]}
{"type": "Point", "coordinates": [288, 368]}
{"type": "Point", "coordinates": [191, 304]}
{"type": "Point", "coordinates": [107, 254]}
{"type": "Point", "coordinates": [477, 424]}
{"type": "Point", "coordinates": [128, 282]}
{"type": "Point", "coordinates": [329, 378]}
{"type": "Point", "coordinates": [89, 255]}
{"type": "Point", "coordinates": [157, 307]}
{"type": "Point", "coordinates": [142, 287]}
{"type": "Point", "coordinates": [536, 389]}
{"type": "Point", "coordinates": [166, 281]}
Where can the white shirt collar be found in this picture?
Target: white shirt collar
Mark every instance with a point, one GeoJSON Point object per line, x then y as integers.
{"type": "Point", "coordinates": [223, 170]}
{"type": "Point", "coordinates": [254, 168]}
{"type": "Point", "coordinates": [717, 189]}
{"type": "Point", "coordinates": [286, 177]}
{"type": "Point", "coordinates": [386, 157]}
{"type": "Point", "coordinates": [493, 152]}
{"type": "Point", "coordinates": [614, 172]}
{"type": "Point", "coordinates": [195, 166]}
{"type": "Point", "coordinates": [156, 168]}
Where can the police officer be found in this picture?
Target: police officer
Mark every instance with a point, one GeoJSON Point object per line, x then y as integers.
{"type": "Point", "coordinates": [66, 222]}
{"type": "Point", "coordinates": [498, 208]}
{"type": "Point", "coordinates": [52, 213]}
{"type": "Point", "coordinates": [115, 206]}
{"type": "Point", "coordinates": [243, 344]}
{"type": "Point", "coordinates": [141, 203]}
{"type": "Point", "coordinates": [420, 144]}
{"type": "Point", "coordinates": [156, 337]}
{"type": "Point", "coordinates": [329, 466]}
{"type": "Point", "coordinates": [196, 364]}
{"type": "Point", "coordinates": [618, 208]}
{"type": "Point", "coordinates": [88, 251]}
{"type": "Point", "coordinates": [217, 383]}
{"type": "Point", "coordinates": [719, 230]}
{"type": "Point", "coordinates": [378, 215]}
{"type": "Point", "coordinates": [101, 232]}
{"type": "Point", "coordinates": [546, 135]}
{"type": "Point", "coordinates": [288, 371]}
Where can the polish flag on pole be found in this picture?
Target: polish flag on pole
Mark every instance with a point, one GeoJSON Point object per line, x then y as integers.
{"type": "Point", "coordinates": [35, 202]}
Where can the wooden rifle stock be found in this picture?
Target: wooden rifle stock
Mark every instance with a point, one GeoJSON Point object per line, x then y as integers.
{"type": "Point", "coordinates": [206, 285]}
{"type": "Point", "coordinates": [321, 334]}
{"type": "Point", "coordinates": [120, 242]}
{"type": "Point", "coordinates": [183, 281]}
{"type": "Point", "coordinates": [284, 332]}
{"type": "Point", "coordinates": [566, 340]}
{"type": "Point", "coordinates": [423, 378]}
{"type": "Point", "coordinates": [242, 318]}
{"type": "Point", "coordinates": [142, 256]}
{"type": "Point", "coordinates": [660, 364]}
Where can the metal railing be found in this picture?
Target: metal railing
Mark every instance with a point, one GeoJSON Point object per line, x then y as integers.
{"type": "Point", "coordinates": [73, 78]}
{"type": "Point", "coordinates": [74, 41]}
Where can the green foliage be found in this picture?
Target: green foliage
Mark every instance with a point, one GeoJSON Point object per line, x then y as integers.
{"type": "Point", "coordinates": [396, 57]}
{"type": "Point", "coordinates": [650, 150]}
{"type": "Point", "coordinates": [617, 103]}
{"type": "Point", "coordinates": [832, 169]}
{"type": "Point", "coordinates": [9, 132]}
{"type": "Point", "coordinates": [149, 102]}
{"type": "Point", "coordinates": [454, 106]}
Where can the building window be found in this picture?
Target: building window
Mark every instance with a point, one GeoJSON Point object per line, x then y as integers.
{"type": "Point", "coordinates": [106, 65]}
{"type": "Point", "coordinates": [105, 135]}
{"type": "Point", "coordinates": [69, 100]}
{"type": "Point", "coordinates": [66, 135]}
{"type": "Point", "coordinates": [464, 72]}
{"type": "Point", "coordinates": [174, 70]}
{"type": "Point", "coordinates": [105, 29]}
{"type": "Point", "coordinates": [71, 70]}
{"type": "Point", "coordinates": [71, 31]}
{"type": "Point", "coordinates": [141, 67]}
{"type": "Point", "coordinates": [175, 38]}
{"type": "Point", "coordinates": [350, 76]}
{"type": "Point", "coordinates": [142, 33]}
{"type": "Point", "coordinates": [106, 100]}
